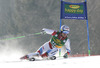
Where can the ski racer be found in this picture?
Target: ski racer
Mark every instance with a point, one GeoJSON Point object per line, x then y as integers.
{"type": "Point", "coordinates": [51, 47]}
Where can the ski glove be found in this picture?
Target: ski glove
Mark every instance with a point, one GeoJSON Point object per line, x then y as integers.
{"type": "Point", "coordinates": [66, 55]}
{"type": "Point", "coordinates": [44, 31]}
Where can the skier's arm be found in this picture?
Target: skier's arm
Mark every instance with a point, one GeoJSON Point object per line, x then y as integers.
{"type": "Point", "coordinates": [49, 31]}
{"type": "Point", "coordinates": [68, 50]}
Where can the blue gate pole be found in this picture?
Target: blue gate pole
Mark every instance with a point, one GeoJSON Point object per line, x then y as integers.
{"type": "Point", "coordinates": [88, 38]}
{"type": "Point", "coordinates": [88, 33]}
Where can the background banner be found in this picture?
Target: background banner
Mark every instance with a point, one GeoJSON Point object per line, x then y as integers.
{"type": "Point", "coordinates": [73, 10]}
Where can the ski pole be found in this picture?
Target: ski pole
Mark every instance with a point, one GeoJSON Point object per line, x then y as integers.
{"type": "Point", "coordinates": [23, 36]}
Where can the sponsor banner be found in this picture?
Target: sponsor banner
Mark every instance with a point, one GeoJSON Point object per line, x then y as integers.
{"type": "Point", "coordinates": [73, 10]}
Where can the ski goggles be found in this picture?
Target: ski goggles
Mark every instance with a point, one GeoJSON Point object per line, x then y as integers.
{"type": "Point", "coordinates": [65, 32]}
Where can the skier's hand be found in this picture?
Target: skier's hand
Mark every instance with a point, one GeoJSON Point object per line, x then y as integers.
{"type": "Point", "coordinates": [66, 55]}
{"type": "Point", "coordinates": [43, 31]}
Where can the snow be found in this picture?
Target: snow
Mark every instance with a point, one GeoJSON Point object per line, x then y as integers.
{"type": "Point", "coordinates": [72, 62]}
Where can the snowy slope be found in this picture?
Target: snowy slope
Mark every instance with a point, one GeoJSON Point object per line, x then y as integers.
{"type": "Point", "coordinates": [72, 62]}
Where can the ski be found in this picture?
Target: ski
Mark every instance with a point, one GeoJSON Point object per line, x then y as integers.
{"type": "Point", "coordinates": [37, 58]}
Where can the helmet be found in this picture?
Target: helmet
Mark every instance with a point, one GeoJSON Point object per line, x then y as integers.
{"type": "Point", "coordinates": [65, 29]}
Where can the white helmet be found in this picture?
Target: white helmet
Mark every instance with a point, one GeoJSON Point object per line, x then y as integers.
{"type": "Point", "coordinates": [65, 29]}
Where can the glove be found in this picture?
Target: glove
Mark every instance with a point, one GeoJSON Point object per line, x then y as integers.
{"type": "Point", "coordinates": [44, 31]}
{"type": "Point", "coordinates": [66, 55]}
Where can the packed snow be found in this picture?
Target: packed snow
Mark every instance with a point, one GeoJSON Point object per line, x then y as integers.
{"type": "Point", "coordinates": [71, 62]}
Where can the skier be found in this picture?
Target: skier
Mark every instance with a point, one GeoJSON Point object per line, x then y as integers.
{"type": "Point", "coordinates": [51, 47]}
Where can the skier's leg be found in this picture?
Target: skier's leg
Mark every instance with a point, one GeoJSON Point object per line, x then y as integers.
{"type": "Point", "coordinates": [41, 50]}
{"type": "Point", "coordinates": [33, 54]}
{"type": "Point", "coordinates": [30, 55]}
{"type": "Point", "coordinates": [50, 53]}
{"type": "Point", "coordinates": [45, 47]}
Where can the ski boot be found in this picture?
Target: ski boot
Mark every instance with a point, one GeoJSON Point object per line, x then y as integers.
{"type": "Point", "coordinates": [52, 58]}
{"type": "Point", "coordinates": [45, 56]}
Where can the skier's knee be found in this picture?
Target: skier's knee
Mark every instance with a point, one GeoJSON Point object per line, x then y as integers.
{"type": "Point", "coordinates": [44, 55]}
